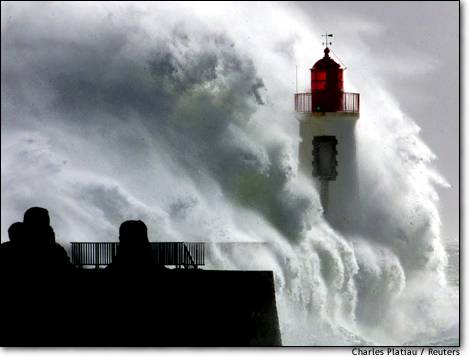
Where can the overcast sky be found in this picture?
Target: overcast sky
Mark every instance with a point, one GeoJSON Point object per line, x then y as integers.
{"type": "Point", "coordinates": [427, 31]}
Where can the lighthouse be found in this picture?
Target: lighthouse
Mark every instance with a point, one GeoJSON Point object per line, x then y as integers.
{"type": "Point", "coordinates": [327, 118]}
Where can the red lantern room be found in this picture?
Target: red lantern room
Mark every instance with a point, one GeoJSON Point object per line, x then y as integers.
{"type": "Point", "coordinates": [327, 84]}
{"type": "Point", "coordinates": [327, 92]}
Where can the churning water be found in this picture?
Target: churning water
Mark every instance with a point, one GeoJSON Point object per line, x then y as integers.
{"type": "Point", "coordinates": [452, 248]}
{"type": "Point", "coordinates": [183, 118]}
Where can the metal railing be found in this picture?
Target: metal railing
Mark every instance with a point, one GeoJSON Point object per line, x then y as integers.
{"type": "Point", "coordinates": [303, 102]}
{"type": "Point", "coordinates": [179, 254]}
{"type": "Point", "coordinates": [348, 103]}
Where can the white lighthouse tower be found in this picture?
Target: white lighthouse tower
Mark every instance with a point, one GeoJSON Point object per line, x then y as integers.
{"type": "Point", "coordinates": [327, 151]}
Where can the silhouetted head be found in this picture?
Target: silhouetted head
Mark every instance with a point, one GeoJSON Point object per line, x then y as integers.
{"type": "Point", "coordinates": [36, 224]}
{"type": "Point", "coordinates": [133, 233]}
{"type": "Point", "coordinates": [16, 232]}
{"type": "Point", "coordinates": [134, 247]}
{"type": "Point", "coordinates": [36, 217]}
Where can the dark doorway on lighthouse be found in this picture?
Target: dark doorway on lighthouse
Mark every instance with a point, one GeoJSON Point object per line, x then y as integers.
{"type": "Point", "coordinates": [324, 157]}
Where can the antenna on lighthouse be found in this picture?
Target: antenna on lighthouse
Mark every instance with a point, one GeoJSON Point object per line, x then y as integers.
{"type": "Point", "coordinates": [326, 35]}
{"type": "Point", "coordinates": [296, 86]}
{"type": "Point", "coordinates": [326, 43]}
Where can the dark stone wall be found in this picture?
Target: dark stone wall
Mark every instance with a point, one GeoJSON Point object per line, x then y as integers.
{"type": "Point", "coordinates": [160, 308]}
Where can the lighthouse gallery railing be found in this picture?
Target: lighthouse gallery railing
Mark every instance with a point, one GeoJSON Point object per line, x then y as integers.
{"type": "Point", "coordinates": [349, 103]}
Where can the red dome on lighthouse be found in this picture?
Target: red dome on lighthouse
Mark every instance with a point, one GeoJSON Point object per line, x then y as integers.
{"type": "Point", "coordinates": [326, 62]}
{"type": "Point", "coordinates": [326, 84]}
{"type": "Point", "coordinates": [327, 93]}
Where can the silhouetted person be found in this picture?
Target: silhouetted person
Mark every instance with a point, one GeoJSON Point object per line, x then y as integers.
{"type": "Point", "coordinates": [38, 282]}
{"type": "Point", "coordinates": [37, 223]}
{"type": "Point", "coordinates": [40, 246]}
{"type": "Point", "coordinates": [134, 251]}
{"type": "Point", "coordinates": [134, 287]}
{"type": "Point", "coordinates": [16, 232]}
{"type": "Point", "coordinates": [36, 216]}
{"type": "Point", "coordinates": [10, 255]}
